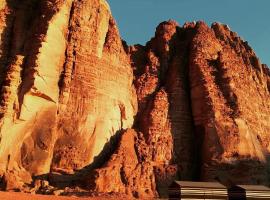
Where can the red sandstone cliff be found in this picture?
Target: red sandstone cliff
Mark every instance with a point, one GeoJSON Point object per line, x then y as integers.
{"type": "Point", "coordinates": [203, 113]}
{"type": "Point", "coordinates": [66, 85]}
{"type": "Point", "coordinates": [80, 108]}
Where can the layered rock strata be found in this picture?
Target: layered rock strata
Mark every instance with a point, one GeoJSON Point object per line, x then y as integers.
{"type": "Point", "coordinates": [66, 86]}
{"type": "Point", "coordinates": [76, 101]}
{"type": "Point", "coordinates": [203, 99]}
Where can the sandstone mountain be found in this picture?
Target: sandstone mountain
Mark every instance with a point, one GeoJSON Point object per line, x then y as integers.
{"type": "Point", "coordinates": [81, 108]}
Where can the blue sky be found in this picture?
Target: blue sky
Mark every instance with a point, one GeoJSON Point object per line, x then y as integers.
{"type": "Point", "coordinates": [137, 19]}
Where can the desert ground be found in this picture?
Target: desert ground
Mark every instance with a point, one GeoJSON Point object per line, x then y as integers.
{"type": "Point", "coordinates": [24, 196]}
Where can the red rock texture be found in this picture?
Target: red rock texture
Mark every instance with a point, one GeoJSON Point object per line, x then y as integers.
{"type": "Point", "coordinates": [66, 86]}
{"type": "Point", "coordinates": [203, 109]}
{"type": "Point", "coordinates": [81, 108]}
{"type": "Point", "coordinates": [233, 91]}
{"type": "Point", "coordinates": [16, 195]}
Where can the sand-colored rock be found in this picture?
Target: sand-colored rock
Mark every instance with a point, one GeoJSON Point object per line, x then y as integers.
{"type": "Point", "coordinates": [81, 108]}
{"type": "Point", "coordinates": [97, 98]}
{"type": "Point", "coordinates": [60, 97]}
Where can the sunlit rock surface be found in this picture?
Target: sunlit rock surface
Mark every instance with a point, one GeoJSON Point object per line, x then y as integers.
{"type": "Point", "coordinates": [66, 86]}
{"type": "Point", "coordinates": [81, 108]}
{"type": "Point", "coordinates": [203, 111]}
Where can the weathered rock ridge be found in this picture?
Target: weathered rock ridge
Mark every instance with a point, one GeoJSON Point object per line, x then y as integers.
{"type": "Point", "coordinates": [81, 108]}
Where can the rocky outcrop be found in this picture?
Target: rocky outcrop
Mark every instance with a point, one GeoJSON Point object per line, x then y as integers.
{"type": "Point", "coordinates": [81, 108]}
{"type": "Point", "coordinates": [66, 86]}
{"type": "Point", "coordinates": [233, 98]}
{"type": "Point", "coordinates": [203, 110]}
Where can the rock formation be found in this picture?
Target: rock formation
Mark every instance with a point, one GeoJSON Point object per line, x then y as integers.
{"type": "Point", "coordinates": [66, 86]}
{"type": "Point", "coordinates": [203, 112]}
{"type": "Point", "coordinates": [76, 101]}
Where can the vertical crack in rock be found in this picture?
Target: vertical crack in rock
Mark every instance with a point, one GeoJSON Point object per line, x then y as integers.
{"type": "Point", "coordinates": [193, 73]}
{"type": "Point", "coordinates": [43, 68]}
{"type": "Point", "coordinates": [7, 17]}
{"type": "Point", "coordinates": [14, 59]}
{"type": "Point", "coordinates": [222, 116]}
{"type": "Point", "coordinates": [25, 139]}
{"type": "Point", "coordinates": [69, 65]}
{"type": "Point", "coordinates": [96, 92]}
{"type": "Point", "coordinates": [164, 147]}
{"type": "Point", "coordinates": [180, 115]}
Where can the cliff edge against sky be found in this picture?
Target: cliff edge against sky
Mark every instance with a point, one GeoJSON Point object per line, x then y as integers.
{"type": "Point", "coordinates": [81, 108]}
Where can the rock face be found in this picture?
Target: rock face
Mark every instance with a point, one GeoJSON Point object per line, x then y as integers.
{"type": "Point", "coordinates": [66, 84]}
{"type": "Point", "coordinates": [203, 112]}
{"type": "Point", "coordinates": [192, 104]}
{"type": "Point", "coordinates": [230, 103]}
